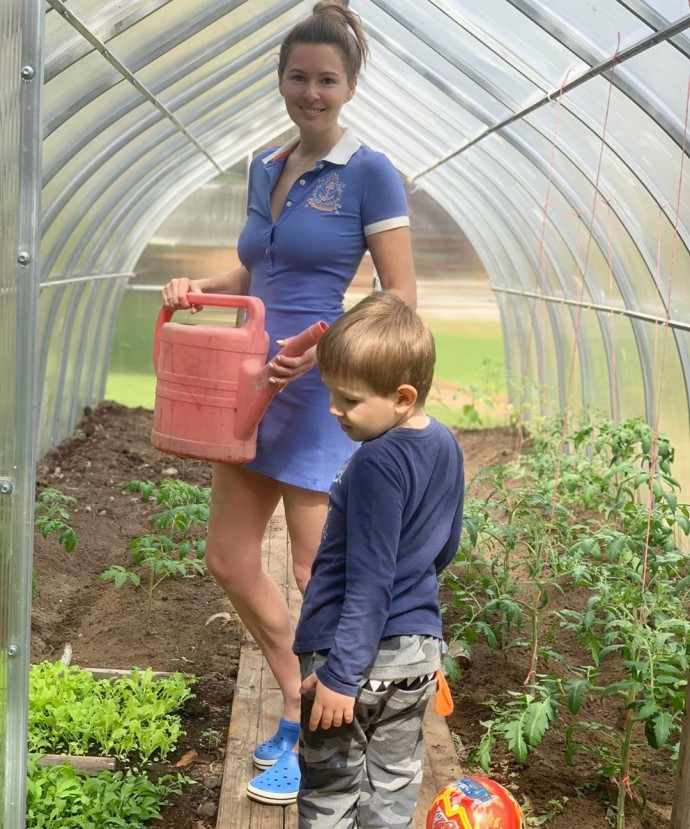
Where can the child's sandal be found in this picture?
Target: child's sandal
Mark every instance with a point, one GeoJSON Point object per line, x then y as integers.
{"type": "Point", "coordinates": [279, 784]}
{"type": "Point", "coordinates": [266, 754]}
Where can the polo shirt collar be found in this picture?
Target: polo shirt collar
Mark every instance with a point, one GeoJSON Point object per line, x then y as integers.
{"type": "Point", "coordinates": [341, 153]}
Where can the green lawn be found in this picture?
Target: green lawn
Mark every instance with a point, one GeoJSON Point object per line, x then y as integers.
{"type": "Point", "coordinates": [470, 370]}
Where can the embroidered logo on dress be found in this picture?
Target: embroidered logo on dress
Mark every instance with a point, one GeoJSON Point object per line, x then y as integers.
{"type": "Point", "coordinates": [327, 194]}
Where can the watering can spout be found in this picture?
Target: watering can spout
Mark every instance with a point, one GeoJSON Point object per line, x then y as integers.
{"type": "Point", "coordinates": [256, 391]}
{"type": "Point", "coordinates": [212, 381]}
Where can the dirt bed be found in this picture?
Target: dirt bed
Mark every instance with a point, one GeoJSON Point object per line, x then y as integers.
{"type": "Point", "coordinates": [106, 627]}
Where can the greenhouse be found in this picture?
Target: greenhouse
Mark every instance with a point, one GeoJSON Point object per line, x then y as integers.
{"type": "Point", "coordinates": [544, 150]}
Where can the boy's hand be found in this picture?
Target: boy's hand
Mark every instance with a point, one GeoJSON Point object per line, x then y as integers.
{"type": "Point", "coordinates": [330, 708]}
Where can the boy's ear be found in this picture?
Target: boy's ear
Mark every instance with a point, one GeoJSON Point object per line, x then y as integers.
{"type": "Point", "coordinates": [406, 396]}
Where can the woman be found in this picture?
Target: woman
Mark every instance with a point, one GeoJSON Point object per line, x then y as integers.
{"type": "Point", "coordinates": [314, 207]}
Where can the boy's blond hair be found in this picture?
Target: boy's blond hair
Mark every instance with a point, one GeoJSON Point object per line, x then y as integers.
{"type": "Point", "coordinates": [382, 342]}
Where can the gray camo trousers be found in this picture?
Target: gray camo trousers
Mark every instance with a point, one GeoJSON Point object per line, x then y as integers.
{"type": "Point", "coordinates": [367, 774]}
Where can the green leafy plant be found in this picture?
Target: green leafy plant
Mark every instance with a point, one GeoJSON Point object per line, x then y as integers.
{"type": "Point", "coordinates": [132, 717]}
{"type": "Point", "coordinates": [51, 517]}
{"type": "Point", "coordinates": [165, 555]}
{"type": "Point", "coordinates": [594, 506]}
{"type": "Point", "coordinates": [62, 797]}
{"type": "Point", "coordinates": [211, 738]}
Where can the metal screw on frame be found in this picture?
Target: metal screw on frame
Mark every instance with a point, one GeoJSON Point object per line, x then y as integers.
{"type": "Point", "coordinates": [24, 258]}
{"type": "Point", "coordinates": [27, 73]}
{"type": "Point", "coordinates": [13, 650]}
{"type": "Point", "coordinates": [6, 487]}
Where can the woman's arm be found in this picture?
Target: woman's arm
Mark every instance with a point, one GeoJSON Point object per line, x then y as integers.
{"type": "Point", "coordinates": [236, 282]}
{"type": "Point", "coordinates": [391, 252]}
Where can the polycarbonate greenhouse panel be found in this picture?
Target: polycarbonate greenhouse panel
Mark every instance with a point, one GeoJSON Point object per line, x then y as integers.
{"type": "Point", "coordinates": [569, 194]}
{"type": "Point", "coordinates": [599, 25]}
{"type": "Point", "coordinates": [528, 48]}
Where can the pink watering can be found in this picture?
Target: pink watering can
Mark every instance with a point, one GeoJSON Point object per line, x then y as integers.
{"type": "Point", "coordinates": [212, 384]}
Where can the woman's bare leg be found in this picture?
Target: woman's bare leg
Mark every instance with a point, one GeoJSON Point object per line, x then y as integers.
{"type": "Point", "coordinates": [305, 514]}
{"type": "Point", "coordinates": [242, 502]}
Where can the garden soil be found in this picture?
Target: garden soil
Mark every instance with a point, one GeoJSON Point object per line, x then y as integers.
{"type": "Point", "coordinates": [193, 627]}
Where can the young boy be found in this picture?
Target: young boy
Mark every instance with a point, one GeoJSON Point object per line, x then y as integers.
{"type": "Point", "coordinates": [369, 635]}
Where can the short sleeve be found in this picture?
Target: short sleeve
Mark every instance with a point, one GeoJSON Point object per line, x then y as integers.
{"type": "Point", "coordinates": [384, 202]}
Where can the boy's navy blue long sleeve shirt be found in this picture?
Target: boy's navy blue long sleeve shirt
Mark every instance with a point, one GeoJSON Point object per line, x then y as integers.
{"type": "Point", "coordinates": [394, 522]}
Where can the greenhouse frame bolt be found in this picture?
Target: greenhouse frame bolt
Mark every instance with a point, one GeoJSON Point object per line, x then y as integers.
{"type": "Point", "coordinates": [13, 650]}
{"type": "Point", "coordinates": [24, 258]}
{"type": "Point", "coordinates": [27, 73]}
{"type": "Point", "coordinates": [6, 487]}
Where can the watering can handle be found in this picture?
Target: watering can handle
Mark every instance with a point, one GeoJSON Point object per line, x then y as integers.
{"type": "Point", "coordinates": [253, 305]}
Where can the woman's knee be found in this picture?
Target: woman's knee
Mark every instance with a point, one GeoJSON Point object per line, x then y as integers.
{"type": "Point", "coordinates": [302, 574]}
{"type": "Point", "coordinates": [235, 570]}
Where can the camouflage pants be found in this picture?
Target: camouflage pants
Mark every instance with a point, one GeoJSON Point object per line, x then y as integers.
{"type": "Point", "coordinates": [365, 775]}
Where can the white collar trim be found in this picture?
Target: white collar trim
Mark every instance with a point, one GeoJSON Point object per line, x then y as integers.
{"type": "Point", "coordinates": [346, 146]}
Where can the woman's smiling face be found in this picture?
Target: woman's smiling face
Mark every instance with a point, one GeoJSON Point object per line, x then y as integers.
{"type": "Point", "coordinates": [315, 86]}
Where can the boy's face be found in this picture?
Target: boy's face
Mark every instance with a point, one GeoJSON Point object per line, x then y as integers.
{"type": "Point", "coordinates": [363, 414]}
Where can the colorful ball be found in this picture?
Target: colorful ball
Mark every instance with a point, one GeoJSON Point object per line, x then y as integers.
{"type": "Point", "coordinates": [474, 803]}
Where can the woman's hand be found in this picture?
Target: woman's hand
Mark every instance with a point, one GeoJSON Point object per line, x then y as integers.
{"type": "Point", "coordinates": [330, 708]}
{"type": "Point", "coordinates": [175, 294]}
{"type": "Point", "coordinates": [286, 369]}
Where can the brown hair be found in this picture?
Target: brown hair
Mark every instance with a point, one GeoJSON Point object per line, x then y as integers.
{"type": "Point", "coordinates": [332, 23]}
{"type": "Point", "coordinates": [381, 342]}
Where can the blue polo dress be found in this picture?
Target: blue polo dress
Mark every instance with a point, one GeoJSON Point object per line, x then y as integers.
{"type": "Point", "coordinates": [301, 266]}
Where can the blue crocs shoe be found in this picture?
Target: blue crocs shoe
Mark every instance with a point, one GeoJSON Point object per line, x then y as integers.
{"type": "Point", "coordinates": [279, 784]}
{"type": "Point", "coordinates": [266, 754]}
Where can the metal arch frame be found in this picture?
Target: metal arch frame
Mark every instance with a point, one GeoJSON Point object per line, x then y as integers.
{"type": "Point", "coordinates": [465, 67]}
{"type": "Point", "coordinates": [571, 199]}
{"type": "Point", "coordinates": [70, 329]}
{"type": "Point", "coordinates": [25, 94]}
{"type": "Point", "coordinates": [121, 194]}
{"type": "Point", "coordinates": [574, 114]}
{"type": "Point", "coordinates": [248, 57]}
{"type": "Point", "coordinates": [96, 195]}
{"type": "Point", "coordinates": [126, 138]}
{"type": "Point", "coordinates": [55, 66]}
{"type": "Point", "coordinates": [517, 364]}
{"type": "Point", "coordinates": [503, 52]}
{"type": "Point", "coordinates": [395, 122]}
{"type": "Point", "coordinates": [554, 260]}
{"type": "Point", "coordinates": [640, 337]}
{"type": "Point", "coordinates": [628, 86]}
{"type": "Point", "coordinates": [219, 10]}
{"type": "Point", "coordinates": [466, 103]}
{"type": "Point", "coordinates": [127, 73]}
{"type": "Point", "coordinates": [141, 88]}
{"type": "Point", "coordinates": [639, 330]}
{"type": "Point", "coordinates": [476, 178]}
{"type": "Point", "coordinates": [566, 87]}
{"type": "Point", "coordinates": [136, 241]}
{"type": "Point", "coordinates": [647, 15]}
{"type": "Point", "coordinates": [626, 294]}
{"type": "Point", "coordinates": [488, 202]}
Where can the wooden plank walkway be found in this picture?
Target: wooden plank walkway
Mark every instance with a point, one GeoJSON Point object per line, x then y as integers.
{"type": "Point", "coordinates": [257, 708]}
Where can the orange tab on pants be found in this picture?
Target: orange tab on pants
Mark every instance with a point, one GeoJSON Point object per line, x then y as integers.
{"type": "Point", "coordinates": [443, 703]}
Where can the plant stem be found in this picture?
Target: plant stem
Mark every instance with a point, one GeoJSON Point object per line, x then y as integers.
{"type": "Point", "coordinates": [624, 782]}
{"type": "Point", "coordinates": [534, 614]}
